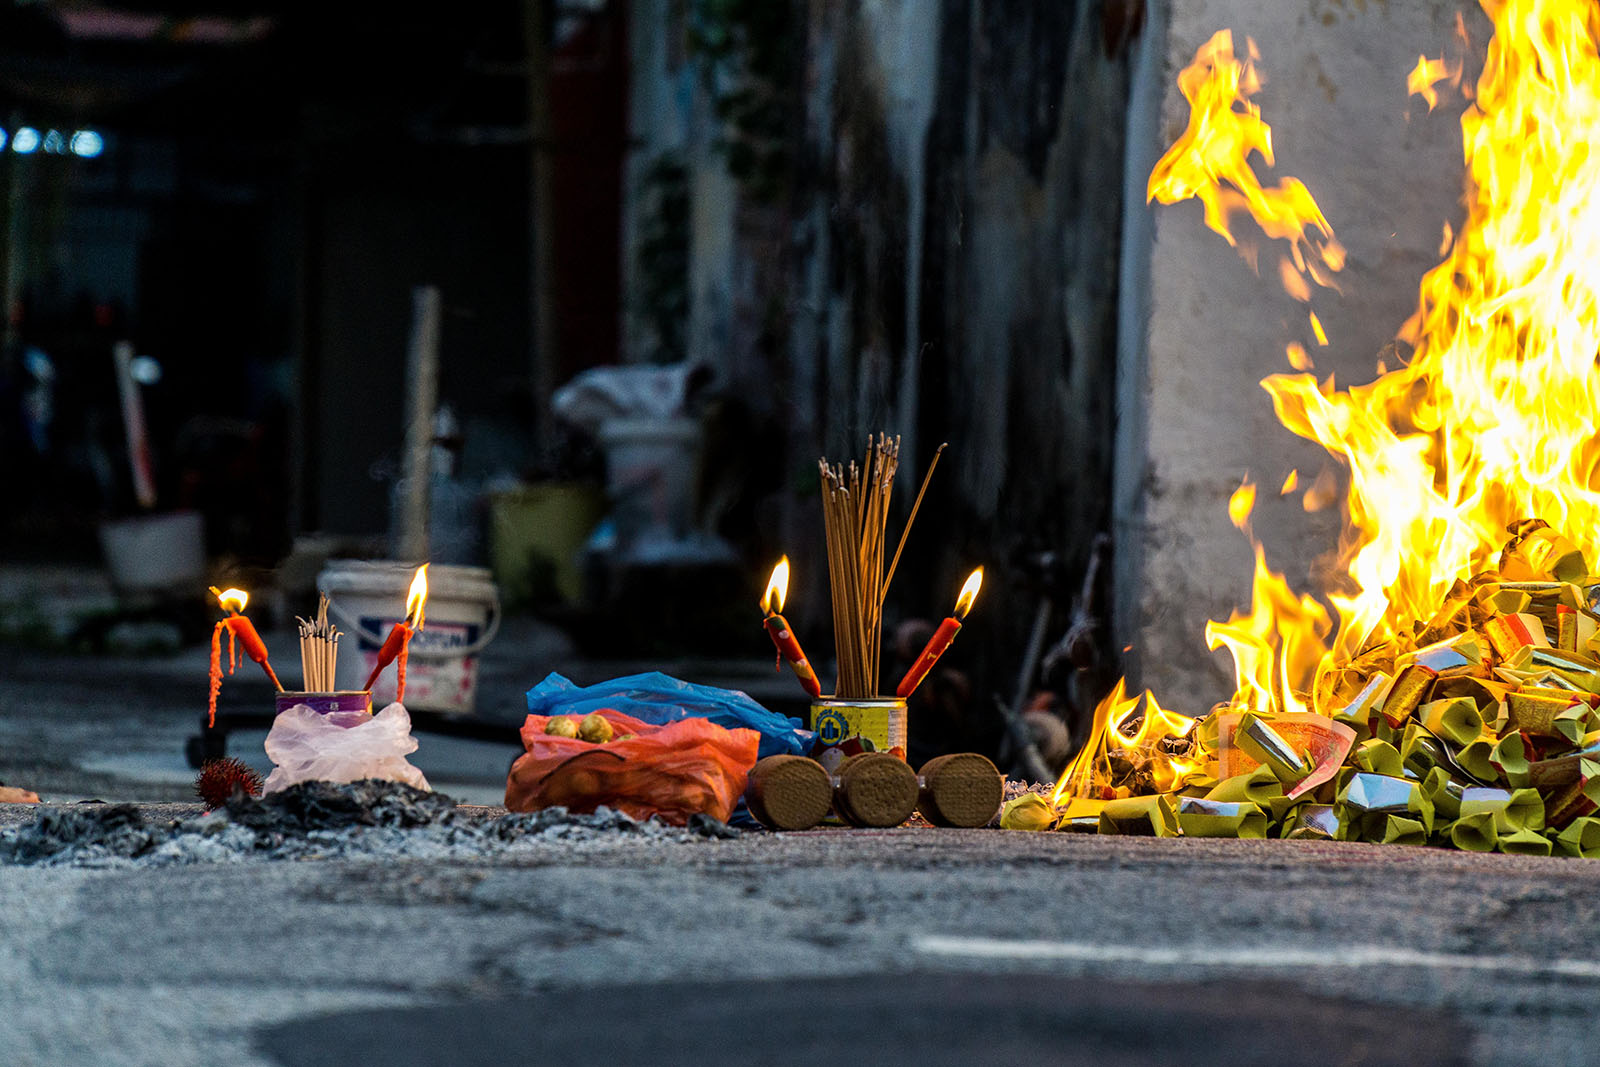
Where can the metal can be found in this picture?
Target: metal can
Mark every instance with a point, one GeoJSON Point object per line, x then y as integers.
{"type": "Point", "coordinates": [846, 726]}
{"type": "Point", "coordinates": [348, 708]}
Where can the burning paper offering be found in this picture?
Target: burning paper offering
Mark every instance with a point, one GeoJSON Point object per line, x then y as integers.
{"type": "Point", "coordinates": [1444, 687]}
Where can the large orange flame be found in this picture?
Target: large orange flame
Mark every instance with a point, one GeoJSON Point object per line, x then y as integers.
{"type": "Point", "coordinates": [1491, 419]}
{"type": "Point", "coordinates": [1211, 163]}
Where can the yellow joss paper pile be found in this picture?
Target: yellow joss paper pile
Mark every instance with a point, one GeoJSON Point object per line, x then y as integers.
{"type": "Point", "coordinates": [1480, 731]}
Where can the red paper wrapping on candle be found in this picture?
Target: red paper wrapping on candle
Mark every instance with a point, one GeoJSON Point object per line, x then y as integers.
{"type": "Point", "coordinates": [789, 648]}
{"type": "Point", "coordinates": [216, 665]}
{"type": "Point", "coordinates": [253, 646]}
{"type": "Point", "coordinates": [393, 646]}
{"type": "Point", "coordinates": [400, 668]}
{"type": "Point", "coordinates": [240, 632]}
{"type": "Point", "coordinates": [941, 639]}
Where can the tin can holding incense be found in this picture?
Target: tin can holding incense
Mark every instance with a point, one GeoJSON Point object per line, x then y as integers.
{"type": "Point", "coordinates": [347, 708]}
{"type": "Point", "coordinates": [846, 726]}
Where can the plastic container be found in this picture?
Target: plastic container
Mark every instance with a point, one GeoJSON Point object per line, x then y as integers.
{"type": "Point", "coordinates": [366, 598]}
{"type": "Point", "coordinates": [150, 554]}
{"type": "Point", "coordinates": [650, 473]}
{"type": "Point", "coordinates": [536, 535]}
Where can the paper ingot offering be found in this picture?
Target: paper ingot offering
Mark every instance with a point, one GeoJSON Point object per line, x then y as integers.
{"type": "Point", "coordinates": [1516, 809]}
{"type": "Point", "coordinates": [1028, 812]}
{"type": "Point", "coordinates": [1151, 816]}
{"type": "Point", "coordinates": [1367, 800]}
{"type": "Point", "coordinates": [1294, 739]}
{"type": "Point", "coordinates": [1580, 838]}
{"type": "Point", "coordinates": [1378, 757]}
{"type": "Point", "coordinates": [1510, 633]}
{"type": "Point", "coordinates": [1580, 798]}
{"type": "Point", "coordinates": [1257, 737]}
{"type": "Point", "coordinates": [1456, 720]}
{"type": "Point", "coordinates": [1317, 822]}
{"type": "Point", "coordinates": [1258, 786]}
{"type": "Point", "coordinates": [1198, 817]}
{"type": "Point", "coordinates": [1475, 833]}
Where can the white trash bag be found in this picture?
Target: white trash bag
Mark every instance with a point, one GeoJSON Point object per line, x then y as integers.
{"type": "Point", "coordinates": [306, 746]}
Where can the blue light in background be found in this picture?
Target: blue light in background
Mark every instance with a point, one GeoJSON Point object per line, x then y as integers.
{"type": "Point", "coordinates": [25, 141]}
{"type": "Point", "coordinates": [85, 143]}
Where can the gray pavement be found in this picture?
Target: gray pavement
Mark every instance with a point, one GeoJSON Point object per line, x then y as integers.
{"type": "Point", "coordinates": [768, 946]}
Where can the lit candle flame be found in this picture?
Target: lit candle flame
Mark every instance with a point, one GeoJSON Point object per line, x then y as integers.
{"type": "Point", "coordinates": [417, 598]}
{"type": "Point", "coordinates": [232, 600]}
{"type": "Point", "coordinates": [969, 593]}
{"type": "Point", "coordinates": [777, 589]}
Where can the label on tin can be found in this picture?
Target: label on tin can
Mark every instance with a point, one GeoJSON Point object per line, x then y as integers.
{"type": "Point", "coordinates": [845, 727]}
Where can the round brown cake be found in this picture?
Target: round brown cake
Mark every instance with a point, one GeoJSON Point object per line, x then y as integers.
{"type": "Point", "coordinates": [963, 789]}
{"type": "Point", "coordinates": [789, 792]}
{"type": "Point", "coordinates": [875, 789]}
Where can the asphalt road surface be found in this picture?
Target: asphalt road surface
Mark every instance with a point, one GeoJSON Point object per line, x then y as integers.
{"type": "Point", "coordinates": [909, 946]}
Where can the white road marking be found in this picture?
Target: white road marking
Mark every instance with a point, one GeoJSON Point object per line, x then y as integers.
{"type": "Point", "coordinates": [1257, 958]}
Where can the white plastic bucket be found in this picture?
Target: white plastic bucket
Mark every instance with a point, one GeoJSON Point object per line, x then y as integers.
{"type": "Point", "coordinates": [155, 553]}
{"type": "Point", "coordinates": [366, 598]}
{"type": "Point", "coordinates": [650, 472]}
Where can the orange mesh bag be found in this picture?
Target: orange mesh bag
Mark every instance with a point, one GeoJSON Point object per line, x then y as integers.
{"type": "Point", "coordinates": [674, 771]}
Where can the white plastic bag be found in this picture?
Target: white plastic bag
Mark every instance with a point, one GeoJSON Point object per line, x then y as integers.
{"type": "Point", "coordinates": [306, 746]}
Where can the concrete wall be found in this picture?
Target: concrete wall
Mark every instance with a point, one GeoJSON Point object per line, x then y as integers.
{"type": "Point", "coordinates": [1200, 329]}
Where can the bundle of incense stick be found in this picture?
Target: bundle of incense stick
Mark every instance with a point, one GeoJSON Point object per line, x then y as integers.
{"type": "Point", "coordinates": [855, 512]}
{"type": "Point", "coordinates": [319, 650]}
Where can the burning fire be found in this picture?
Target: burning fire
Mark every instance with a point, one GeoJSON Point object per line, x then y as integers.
{"type": "Point", "coordinates": [232, 600]}
{"type": "Point", "coordinates": [777, 589]}
{"type": "Point", "coordinates": [1487, 424]}
{"type": "Point", "coordinates": [1211, 163]}
{"type": "Point", "coordinates": [969, 593]}
{"type": "Point", "coordinates": [417, 598]}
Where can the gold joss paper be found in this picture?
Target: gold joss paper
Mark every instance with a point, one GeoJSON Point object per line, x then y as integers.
{"type": "Point", "coordinates": [1509, 633]}
{"type": "Point", "coordinates": [1409, 689]}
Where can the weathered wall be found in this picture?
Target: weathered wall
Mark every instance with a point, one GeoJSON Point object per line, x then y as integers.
{"type": "Point", "coordinates": [938, 259]}
{"type": "Point", "coordinates": [1201, 329]}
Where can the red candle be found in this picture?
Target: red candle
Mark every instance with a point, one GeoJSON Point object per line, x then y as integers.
{"type": "Point", "coordinates": [241, 631]}
{"type": "Point", "coordinates": [398, 644]}
{"type": "Point", "coordinates": [783, 637]}
{"type": "Point", "coordinates": [942, 638]}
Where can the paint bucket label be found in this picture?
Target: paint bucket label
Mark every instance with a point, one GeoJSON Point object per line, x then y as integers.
{"type": "Point", "coordinates": [845, 727]}
{"type": "Point", "coordinates": [430, 683]}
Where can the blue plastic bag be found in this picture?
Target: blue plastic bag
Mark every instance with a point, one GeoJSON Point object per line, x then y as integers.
{"type": "Point", "coordinates": [660, 698]}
